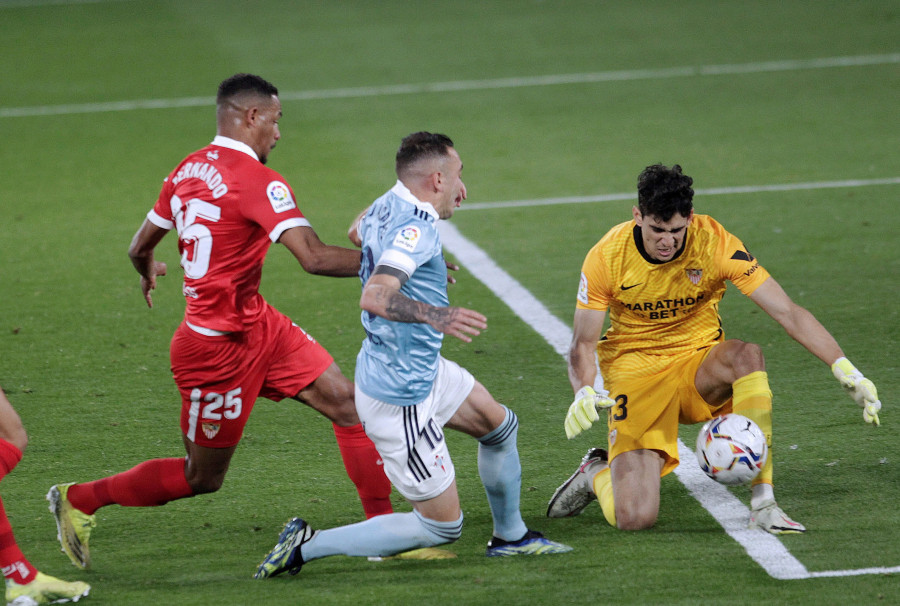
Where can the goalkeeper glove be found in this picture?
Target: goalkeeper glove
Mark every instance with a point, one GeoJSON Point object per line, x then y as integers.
{"type": "Point", "coordinates": [583, 411]}
{"type": "Point", "coordinates": [860, 389]}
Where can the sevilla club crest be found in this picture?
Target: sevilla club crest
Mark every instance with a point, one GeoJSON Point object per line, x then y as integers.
{"type": "Point", "coordinates": [694, 275]}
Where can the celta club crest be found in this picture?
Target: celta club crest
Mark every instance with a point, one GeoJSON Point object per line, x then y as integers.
{"type": "Point", "coordinates": [694, 275]}
{"type": "Point", "coordinates": [439, 462]}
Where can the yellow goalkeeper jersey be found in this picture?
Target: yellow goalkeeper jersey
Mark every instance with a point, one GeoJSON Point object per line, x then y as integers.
{"type": "Point", "coordinates": [664, 308]}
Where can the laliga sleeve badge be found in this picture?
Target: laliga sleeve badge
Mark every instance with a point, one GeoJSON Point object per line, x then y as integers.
{"type": "Point", "coordinates": [407, 238]}
{"type": "Point", "coordinates": [583, 290]}
{"type": "Point", "coordinates": [280, 196]}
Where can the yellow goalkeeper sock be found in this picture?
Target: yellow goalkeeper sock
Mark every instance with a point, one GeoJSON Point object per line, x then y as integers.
{"type": "Point", "coordinates": [753, 399]}
{"type": "Point", "coordinates": [603, 490]}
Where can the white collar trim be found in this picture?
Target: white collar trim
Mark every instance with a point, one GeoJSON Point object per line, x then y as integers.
{"type": "Point", "coordinates": [403, 192]}
{"type": "Point", "coordinates": [234, 144]}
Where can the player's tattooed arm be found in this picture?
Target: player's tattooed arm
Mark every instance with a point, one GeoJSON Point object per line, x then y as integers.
{"type": "Point", "coordinates": [401, 308]}
{"type": "Point", "coordinates": [381, 296]}
{"type": "Point", "coordinates": [458, 322]}
{"type": "Point", "coordinates": [392, 305]}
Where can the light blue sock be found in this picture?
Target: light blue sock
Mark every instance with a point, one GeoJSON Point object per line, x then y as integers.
{"type": "Point", "coordinates": [382, 536]}
{"type": "Point", "coordinates": [501, 474]}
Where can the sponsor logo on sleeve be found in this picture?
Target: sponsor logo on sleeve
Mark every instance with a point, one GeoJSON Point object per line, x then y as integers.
{"type": "Point", "coordinates": [280, 197]}
{"type": "Point", "coordinates": [583, 290]}
{"type": "Point", "coordinates": [407, 238]}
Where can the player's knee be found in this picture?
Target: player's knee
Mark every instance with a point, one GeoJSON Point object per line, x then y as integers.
{"type": "Point", "coordinates": [332, 394]}
{"type": "Point", "coordinates": [205, 487]}
{"type": "Point", "coordinates": [18, 438]}
{"type": "Point", "coordinates": [14, 432]}
{"type": "Point", "coordinates": [753, 353]}
{"type": "Point", "coordinates": [635, 519]}
{"type": "Point", "coordinates": [205, 483]}
{"type": "Point", "coordinates": [637, 514]}
{"type": "Point", "coordinates": [747, 358]}
{"type": "Point", "coordinates": [343, 414]}
{"type": "Point", "coordinates": [503, 434]}
{"type": "Point", "coordinates": [440, 533]}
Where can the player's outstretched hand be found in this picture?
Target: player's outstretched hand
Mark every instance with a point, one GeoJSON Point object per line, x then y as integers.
{"type": "Point", "coordinates": [457, 322]}
{"type": "Point", "coordinates": [148, 284]}
{"type": "Point", "coordinates": [584, 410]}
{"type": "Point", "coordinates": [860, 389]}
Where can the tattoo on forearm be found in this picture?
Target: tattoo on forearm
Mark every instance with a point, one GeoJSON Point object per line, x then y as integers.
{"type": "Point", "coordinates": [403, 309]}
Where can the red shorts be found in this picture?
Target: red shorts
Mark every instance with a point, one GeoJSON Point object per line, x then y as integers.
{"type": "Point", "coordinates": [220, 377]}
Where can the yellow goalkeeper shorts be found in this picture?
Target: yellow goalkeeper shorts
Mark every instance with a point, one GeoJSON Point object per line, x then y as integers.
{"type": "Point", "coordinates": [650, 405]}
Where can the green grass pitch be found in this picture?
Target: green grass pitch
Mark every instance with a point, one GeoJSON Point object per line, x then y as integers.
{"type": "Point", "coordinates": [544, 99]}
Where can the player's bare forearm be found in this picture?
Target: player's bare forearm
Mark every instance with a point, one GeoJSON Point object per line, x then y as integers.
{"type": "Point", "coordinates": [334, 261]}
{"type": "Point", "coordinates": [143, 264]}
{"type": "Point", "coordinates": [391, 304]}
{"type": "Point", "coordinates": [141, 254]}
{"type": "Point", "coordinates": [144, 242]}
{"type": "Point", "coordinates": [582, 365]}
{"type": "Point", "coordinates": [319, 258]}
{"type": "Point", "coordinates": [809, 332]}
{"type": "Point", "coordinates": [587, 326]}
{"type": "Point", "coordinates": [797, 321]}
{"type": "Point", "coordinates": [400, 308]}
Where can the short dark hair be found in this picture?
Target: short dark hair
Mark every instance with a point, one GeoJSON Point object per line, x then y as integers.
{"type": "Point", "coordinates": [420, 145]}
{"type": "Point", "coordinates": [244, 83]}
{"type": "Point", "coordinates": [664, 191]}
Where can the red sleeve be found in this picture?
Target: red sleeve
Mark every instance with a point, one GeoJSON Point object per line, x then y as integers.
{"type": "Point", "coordinates": [271, 204]}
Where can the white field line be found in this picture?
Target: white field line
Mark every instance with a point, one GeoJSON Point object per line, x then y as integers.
{"type": "Point", "coordinates": [714, 191]}
{"type": "Point", "coordinates": [469, 85]}
{"type": "Point", "coordinates": [765, 549]}
{"type": "Point", "coordinates": [36, 3]}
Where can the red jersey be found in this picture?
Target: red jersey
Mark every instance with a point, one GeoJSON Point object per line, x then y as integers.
{"type": "Point", "coordinates": [227, 208]}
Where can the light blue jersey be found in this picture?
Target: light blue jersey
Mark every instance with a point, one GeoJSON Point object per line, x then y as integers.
{"type": "Point", "coordinates": [398, 360]}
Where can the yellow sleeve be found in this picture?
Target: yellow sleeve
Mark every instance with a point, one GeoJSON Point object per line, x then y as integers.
{"type": "Point", "coordinates": [593, 288]}
{"type": "Point", "coordinates": [738, 265]}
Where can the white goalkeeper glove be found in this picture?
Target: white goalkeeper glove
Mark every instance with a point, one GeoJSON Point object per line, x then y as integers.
{"type": "Point", "coordinates": [583, 411]}
{"type": "Point", "coordinates": [860, 389]}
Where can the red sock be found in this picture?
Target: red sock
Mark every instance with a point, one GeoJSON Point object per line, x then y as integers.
{"type": "Point", "coordinates": [14, 564]}
{"type": "Point", "coordinates": [364, 466]}
{"type": "Point", "coordinates": [153, 482]}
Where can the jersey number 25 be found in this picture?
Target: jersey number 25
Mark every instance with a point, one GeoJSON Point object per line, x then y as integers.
{"type": "Point", "coordinates": [196, 239]}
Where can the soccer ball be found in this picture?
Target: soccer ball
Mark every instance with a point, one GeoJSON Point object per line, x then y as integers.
{"type": "Point", "coordinates": [731, 449]}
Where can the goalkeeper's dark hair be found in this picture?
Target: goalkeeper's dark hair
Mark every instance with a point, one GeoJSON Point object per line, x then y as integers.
{"type": "Point", "coordinates": [419, 146]}
{"type": "Point", "coordinates": [664, 191]}
{"type": "Point", "coordinates": [244, 83]}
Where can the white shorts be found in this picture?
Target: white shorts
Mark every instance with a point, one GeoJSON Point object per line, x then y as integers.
{"type": "Point", "coordinates": [410, 439]}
